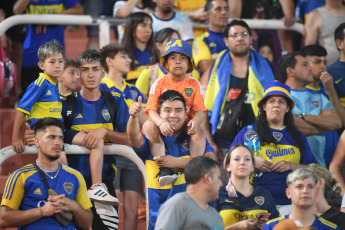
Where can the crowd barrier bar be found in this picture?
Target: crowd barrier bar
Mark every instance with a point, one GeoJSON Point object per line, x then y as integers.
{"type": "Point", "coordinates": [104, 23]}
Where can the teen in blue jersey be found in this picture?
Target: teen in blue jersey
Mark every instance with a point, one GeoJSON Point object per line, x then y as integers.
{"type": "Point", "coordinates": [26, 203]}
{"type": "Point", "coordinates": [42, 97]}
{"type": "Point", "coordinates": [37, 35]}
{"type": "Point", "coordinates": [283, 147]}
{"type": "Point", "coordinates": [172, 108]}
{"type": "Point", "coordinates": [92, 126]}
{"type": "Point", "coordinates": [302, 190]}
{"type": "Point", "coordinates": [240, 202]}
{"type": "Point", "coordinates": [128, 178]}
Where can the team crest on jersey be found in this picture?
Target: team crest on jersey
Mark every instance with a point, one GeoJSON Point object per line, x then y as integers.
{"type": "Point", "coordinates": [188, 92]}
{"type": "Point", "coordinates": [260, 200]}
{"type": "Point", "coordinates": [278, 136]}
{"type": "Point", "coordinates": [68, 186]}
{"type": "Point", "coordinates": [185, 144]}
{"type": "Point", "coordinates": [316, 104]}
{"type": "Point", "coordinates": [106, 114]}
{"type": "Point", "coordinates": [134, 94]}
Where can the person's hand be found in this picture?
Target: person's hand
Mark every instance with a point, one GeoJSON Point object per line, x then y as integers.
{"type": "Point", "coordinates": [166, 129]}
{"type": "Point", "coordinates": [262, 164]}
{"type": "Point", "coordinates": [327, 81]}
{"type": "Point", "coordinates": [289, 20]}
{"type": "Point", "coordinates": [18, 145]}
{"type": "Point", "coordinates": [92, 137]}
{"type": "Point", "coordinates": [193, 127]}
{"type": "Point", "coordinates": [281, 166]}
{"type": "Point", "coordinates": [261, 223]}
{"type": "Point", "coordinates": [199, 14]}
{"type": "Point", "coordinates": [48, 209]}
{"type": "Point", "coordinates": [166, 161]}
{"type": "Point", "coordinates": [29, 135]}
{"type": "Point", "coordinates": [247, 224]}
{"type": "Point", "coordinates": [60, 203]}
{"type": "Point", "coordinates": [326, 111]}
{"type": "Point", "coordinates": [136, 108]}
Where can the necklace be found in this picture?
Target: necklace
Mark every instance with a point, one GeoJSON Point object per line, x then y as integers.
{"type": "Point", "coordinates": [51, 177]}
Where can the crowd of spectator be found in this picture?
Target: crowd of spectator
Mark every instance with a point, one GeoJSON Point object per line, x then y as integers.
{"type": "Point", "coordinates": [235, 131]}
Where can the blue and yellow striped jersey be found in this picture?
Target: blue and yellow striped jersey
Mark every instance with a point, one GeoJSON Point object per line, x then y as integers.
{"type": "Point", "coordinates": [141, 59]}
{"type": "Point", "coordinates": [236, 209]}
{"type": "Point", "coordinates": [41, 100]}
{"type": "Point", "coordinates": [319, 223]}
{"type": "Point", "coordinates": [157, 195]}
{"type": "Point", "coordinates": [24, 190]}
{"type": "Point", "coordinates": [93, 115]}
{"type": "Point", "coordinates": [129, 92]}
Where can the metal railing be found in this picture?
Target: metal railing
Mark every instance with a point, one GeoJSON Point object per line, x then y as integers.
{"type": "Point", "coordinates": [104, 23]}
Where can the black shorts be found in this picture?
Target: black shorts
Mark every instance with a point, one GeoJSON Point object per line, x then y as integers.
{"type": "Point", "coordinates": [17, 33]}
{"type": "Point", "coordinates": [128, 176]}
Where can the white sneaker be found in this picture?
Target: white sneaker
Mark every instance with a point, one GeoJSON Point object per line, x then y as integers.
{"type": "Point", "coordinates": [99, 193]}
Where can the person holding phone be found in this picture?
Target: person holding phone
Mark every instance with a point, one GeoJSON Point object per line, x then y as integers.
{"type": "Point", "coordinates": [241, 204]}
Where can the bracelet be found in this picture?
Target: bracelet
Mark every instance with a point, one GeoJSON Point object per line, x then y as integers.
{"type": "Point", "coordinates": [41, 210]}
{"type": "Point", "coordinates": [134, 116]}
{"type": "Point", "coordinates": [161, 124]}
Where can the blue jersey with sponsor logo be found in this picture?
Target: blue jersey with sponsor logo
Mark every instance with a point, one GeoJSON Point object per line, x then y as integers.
{"type": "Point", "coordinates": [156, 194]}
{"type": "Point", "coordinates": [41, 100]}
{"type": "Point", "coordinates": [319, 223]}
{"type": "Point", "coordinates": [25, 190]}
{"type": "Point", "coordinates": [93, 115]}
{"type": "Point", "coordinates": [236, 209]}
{"type": "Point", "coordinates": [285, 150]}
{"type": "Point", "coordinates": [142, 59]}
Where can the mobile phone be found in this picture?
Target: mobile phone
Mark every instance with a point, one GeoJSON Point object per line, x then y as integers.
{"type": "Point", "coordinates": [261, 216]}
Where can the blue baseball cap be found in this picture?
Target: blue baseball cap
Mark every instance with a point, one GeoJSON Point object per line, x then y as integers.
{"type": "Point", "coordinates": [179, 46]}
{"type": "Point", "coordinates": [277, 88]}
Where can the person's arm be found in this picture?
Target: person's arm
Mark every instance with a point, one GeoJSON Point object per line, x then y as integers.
{"type": "Point", "coordinates": [283, 166]}
{"type": "Point", "coordinates": [338, 162]}
{"type": "Point", "coordinates": [288, 8]}
{"type": "Point", "coordinates": [205, 67]}
{"type": "Point", "coordinates": [169, 161]}
{"type": "Point", "coordinates": [198, 14]}
{"type": "Point", "coordinates": [235, 8]}
{"type": "Point", "coordinates": [14, 218]}
{"type": "Point", "coordinates": [136, 139]}
{"type": "Point", "coordinates": [327, 81]}
{"type": "Point", "coordinates": [76, 9]}
{"type": "Point", "coordinates": [20, 6]}
{"type": "Point", "coordinates": [17, 143]}
{"type": "Point", "coordinates": [306, 128]}
{"type": "Point", "coordinates": [327, 122]}
{"type": "Point", "coordinates": [311, 27]}
{"type": "Point", "coordinates": [210, 138]}
{"type": "Point", "coordinates": [126, 9]}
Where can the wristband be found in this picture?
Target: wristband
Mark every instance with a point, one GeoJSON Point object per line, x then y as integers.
{"type": "Point", "coordinates": [161, 124]}
{"type": "Point", "coordinates": [41, 211]}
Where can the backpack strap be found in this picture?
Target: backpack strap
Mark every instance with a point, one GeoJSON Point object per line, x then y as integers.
{"type": "Point", "coordinates": [110, 103]}
{"type": "Point", "coordinates": [71, 103]}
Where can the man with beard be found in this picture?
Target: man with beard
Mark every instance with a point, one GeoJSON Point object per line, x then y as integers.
{"type": "Point", "coordinates": [232, 69]}
{"type": "Point", "coordinates": [302, 190]}
{"type": "Point", "coordinates": [26, 202]}
{"type": "Point", "coordinates": [164, 16]}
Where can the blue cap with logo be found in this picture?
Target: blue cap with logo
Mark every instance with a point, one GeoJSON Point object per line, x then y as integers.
{"type": "Point", "coordinates": [277, 88]}
{"type": "Point", "coordinates": [179, 46]}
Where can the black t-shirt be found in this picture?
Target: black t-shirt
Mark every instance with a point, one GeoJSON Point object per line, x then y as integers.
{"type": "Point", "coordinates": [335, 216]}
